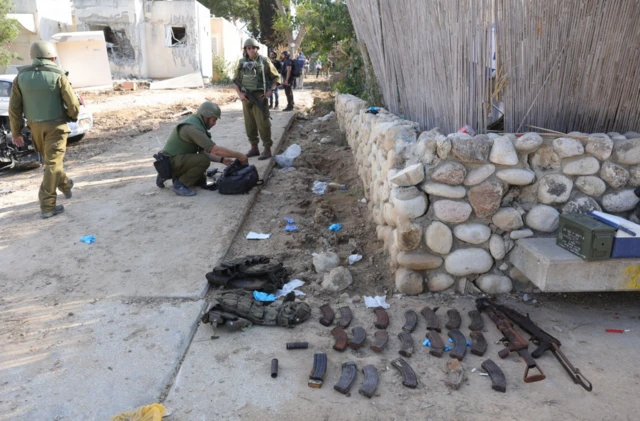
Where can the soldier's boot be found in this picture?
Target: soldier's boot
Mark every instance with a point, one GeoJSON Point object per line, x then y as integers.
{"type": "Point", "coordinates": [182, 190]}
{"type": "Point", "coordinates": [289, 108]}
{"type": "Point", "coordinates": [266, 154]}
{"type": "Point", "coordinates": [254, 151]}
{"type": "Point", "coordinates": [276, 106]}
{"type": "Point", "coordinates": [58, 210]}
{"type": "Point", "coordinates": [68, 194]}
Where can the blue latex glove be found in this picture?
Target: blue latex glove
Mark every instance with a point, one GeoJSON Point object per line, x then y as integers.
{"type": "Point", "coordinates": [468, 342]}
{"type": "Point", "coordinates": [335, 227]}
{"type": "Point", "coordinates": [291, 228]}
{"type": "Point", "coordinates": [427, 342]}
{"type": "Point", "coordinates": [263, 296]}
{"type": "Point", "coordinates": [89, 239]}
{"type": "Point", "coordinates": [289, 220]}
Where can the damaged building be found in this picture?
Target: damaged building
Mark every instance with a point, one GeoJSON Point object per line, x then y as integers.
{"type": "Point", "coordinates": [155, 39]}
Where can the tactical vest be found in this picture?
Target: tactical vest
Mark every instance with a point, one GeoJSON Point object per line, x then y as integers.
{"type": "Point", "coordinates": [176, 146]}
{"type": "Point", "coordinates": [277, 313]}
{"type": "Point", "coordinates": [41, 95]}
{"type": "Point", "coordinates": [252, 74]}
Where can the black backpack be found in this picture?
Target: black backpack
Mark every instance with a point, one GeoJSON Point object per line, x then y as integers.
{"type": "Point", "coordinates": [238, 178]}
{"type": "Point", "coordinates": [298, 65]}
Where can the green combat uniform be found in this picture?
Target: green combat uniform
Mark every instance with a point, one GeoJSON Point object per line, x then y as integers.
{"type": "Point", "coordinates": [44, 95]}
{"type": "Point", "coordinates": [257, 76]}
{"type": "Point", "coordinates": [185, 142]}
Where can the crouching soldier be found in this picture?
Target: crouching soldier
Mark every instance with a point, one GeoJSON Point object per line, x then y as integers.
{"type": "Point", "coordinates": [190, 150]}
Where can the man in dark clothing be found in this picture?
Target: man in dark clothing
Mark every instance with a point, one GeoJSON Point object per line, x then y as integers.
{"type": "Point", "coordinates": [276, 63]}
{"type": "Point", "coordinates": [191, 150]}
{"type": "Point", "coordinates": [287, 78]}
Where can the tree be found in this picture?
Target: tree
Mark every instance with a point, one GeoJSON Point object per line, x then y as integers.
{"type": "Point", "coordinates": [291, 20]}
{"type": "Point", "coordinates": [268, 16]}
{"type": "Point", "coordinates": [330, 27]}
{"type": "Point", "coordinates": [246, 11]}
{"type": "Point", "coordinates": [9, 30]}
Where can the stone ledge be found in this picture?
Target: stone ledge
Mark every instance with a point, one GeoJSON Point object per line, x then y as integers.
{"type": "Point", "coordinates": [553, 269]}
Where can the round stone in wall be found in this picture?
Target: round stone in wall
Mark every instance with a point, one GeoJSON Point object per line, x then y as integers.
{"type": "Point", "coordinates": [475, 150]}
{"type": "Point", "coordinates": [451, 211]}
{"type": "Point", "coordinates": [409, 281]}
{"type": "Point", "coordinates": [451, 173]}
{"type": "Point", "coordinates": [494, 284]}
{"type": "Point", "coordinates": [615, 175]}
{"type": "Point", "coordinates": [439, 282]}
{"type": "Point", "coordinates": [545, 159]}
{"type": "Point", "coordinates": [408, 235]}
{"type": "Point", "coordinates": [591, 185]}
{"type": "Point", "coordinates": [621, 201]}
{"type": "Point", "coordinates": [554, 188]}
{"type": "Point", "coordinates": [472, 233]}
{"type": "Point", "coordinates": [419, 260]}
{"type": "Point", "coordinates": [409, 202]}
{"type": "Point", "coordinates": [503, 152]}
{"type": "Point", "coordinates": [410, 176]}
{"type": "Point", "coordinates": [443, 147]}
{"type": "Point", "coordinates": [507, 219]}
{"type": "Point", "coordinates": [529, 142]}
{"type": "Point", "coordinates": [627, 151]}
{"type": "Point", "coordinates": [567, 147]}
{"type": "Point", "coordinates": [439, 238]}
{"type": "Point", "coordinates": [519, 234]}
{"type": "Point", "coordinates": [478, 175]}
{"type": "Point", "coordinates": [497, 247]}
{"type": "Point", "coordinates": [634, 179]}
{"type": "Point", "coordinates": [581, 166]}
{"type": "Point", "coordinates": [543, 218]}
{"type": "Point", "coordinates": [464, 262]}
{"type": "Point", "coordinates": [486, 197]}
{"type": "Point", "coordinates": [516, 177]}
{"type": "Point", "coordinates": [600, 145]}
{"type": "Point", "coordinates": [583, 204]}
{"type": "Point", "coordinates": [444, 190]}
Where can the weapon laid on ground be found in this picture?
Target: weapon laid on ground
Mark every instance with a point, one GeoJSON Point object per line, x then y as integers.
{"type": "Point", "coordinates": [479, 346]}
{"type": "Point", "coordinates": [274, 368]}
{"type": "Point", "coordinates": [544, 341]}
{"type": "Point", "coordinates": [348, 376]}
{"type": "Point", "coordinates": [459, 344]}
{"type": "Point", "coordinates": [319, 369]}
{"type": "Point", "coordinates": [359, 335]}
{"type": "Point", "coordinates": [327, 315]}
{"type": "Point", "coordinates": [437, 346]}
{"type": "Point", "coordinates": [432, 320]}
{"type": "Point", "coordinates": [382, 318]}
{"type": "Point", "coordinates": [409, 377]}
{"type": "Point", "coordinates": [252, 98]}
{"type": "Point", "coordinates": [476, 320]}
{"type": "Point", "coordinates": [381, 337]}
{"type": "Point", "coordinates": [297, 345]}
{"type": "Point", "coordinates": [345, 316]}
{"type": "Point", "coordinates": [341, 338]}
{"type": "Point", "coordinates": [370, 383]}
{"type": "Point", "coordinates": [454, 319]}
{"type": "Point", "coordinates": [516, 343]}
{"type": "Point", "coordinates": [498, 382]}
{"type": "Point", "coordinates": [411, 321]}
{"type": "Point", "coordinates": [407, 344]}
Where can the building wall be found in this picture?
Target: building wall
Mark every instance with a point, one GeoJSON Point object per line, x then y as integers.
{"type": "Point", "coordinates": [229, 40]}
{"type": "Point", "coordinates": [204, 40]}
{"type": "Point", "coordinates": [86, 62]}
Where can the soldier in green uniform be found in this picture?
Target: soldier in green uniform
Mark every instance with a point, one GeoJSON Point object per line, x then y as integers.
{"type": "Point", "coordinates": [190, 150]}
{"type": "Point", "coordinates": [44, 95]}
{"type": "Point", "coordinates": [258, 75]}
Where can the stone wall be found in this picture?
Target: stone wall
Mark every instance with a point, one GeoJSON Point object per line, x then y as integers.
{"type": "Point", "coordinates": [450, 208]}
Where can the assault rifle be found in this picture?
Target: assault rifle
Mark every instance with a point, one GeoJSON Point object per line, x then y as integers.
{"type": "Point", "coordinates": [516, 343]}
{"type": "Point", "coordinates": [252, 98]}
{"type": "Point", "coordinates": [541, 338]}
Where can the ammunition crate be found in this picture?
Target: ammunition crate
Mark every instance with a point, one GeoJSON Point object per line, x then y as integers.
{"type": "Point", "coordinates": [585, 236]}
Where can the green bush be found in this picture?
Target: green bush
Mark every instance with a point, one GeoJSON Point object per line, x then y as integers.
{"type": "Point", "coordinates": [220, 70]}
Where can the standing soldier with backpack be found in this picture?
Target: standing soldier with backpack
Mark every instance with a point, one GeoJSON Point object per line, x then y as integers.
{"type": "Point", "coordinates": [287, 78]}
{"type": "Point", "coordinates": [44, 95]}
{"type": "Point", "coordinates": [258, 76]}
{"type": "Point", "coordinates": [298, 69]}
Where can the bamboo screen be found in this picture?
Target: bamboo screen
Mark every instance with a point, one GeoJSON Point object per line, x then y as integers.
{"type": "Point", "coordinates": [561, 64]}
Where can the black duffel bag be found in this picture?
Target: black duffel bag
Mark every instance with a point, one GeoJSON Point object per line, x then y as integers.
{"type": "Point", "coordinates": [163, 166]}
{"type": "Point", "coordinates": [238, 178]}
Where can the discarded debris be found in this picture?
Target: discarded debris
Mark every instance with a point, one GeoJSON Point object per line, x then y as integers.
{"type": "Point", "coordinates": [327, 117]}
{"type": "Point", "coordinates": [377, 301]}
{"type": "Point", "coordinates": [263, 296]}
{"type": "Point", "coordinates": [319, 187]}
{"type": "Point", "coordinates": [291, 228]}
{"type": "Point", "coordinates": [257, 236]}
{"type": "Point", "coordinates": [354, 258]}
{"type": "Point", "coordinates": [335, 227]}
{"type": "Point", "coordinates": [89, 239]}
{"type": "Point", "coordinates": [291, 286]}
{"type": "Point", "coordinates": [192, 80]}
{"type": "Point", "coordinates": [286, 159]}
{"type": "Point", "coordinates": [153, 412]}
{"type": "Point", "coordinates": [455, 374]}
{"type": "Point", "coordinates": [6, 191]}
{"type": "Point", "coordinates": [617, 330]}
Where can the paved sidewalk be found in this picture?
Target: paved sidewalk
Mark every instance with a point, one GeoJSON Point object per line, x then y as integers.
{"type": "Point", "coordinates": [92, 330]}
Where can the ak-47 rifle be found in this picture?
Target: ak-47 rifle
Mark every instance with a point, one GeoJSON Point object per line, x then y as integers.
{"type": "Point", "coordinates": [544, 341]}
{"type": "Point", "coordinates": [252, 98]}
{"type": "Point", "coordinates": [516, 343]}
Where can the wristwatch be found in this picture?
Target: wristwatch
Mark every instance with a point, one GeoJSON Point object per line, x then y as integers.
{"type": "Point", "coordinates": [221, 159]}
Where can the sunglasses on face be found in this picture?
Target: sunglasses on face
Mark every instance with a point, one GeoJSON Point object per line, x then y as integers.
{"type": "Point", "coordinates": [252, 48]}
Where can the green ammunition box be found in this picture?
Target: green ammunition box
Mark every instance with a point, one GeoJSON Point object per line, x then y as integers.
{"type": "Point", "coordinates": [585, 236]}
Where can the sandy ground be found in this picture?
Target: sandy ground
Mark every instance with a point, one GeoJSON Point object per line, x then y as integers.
{"type": "Point", "coordinates": [88, 331]}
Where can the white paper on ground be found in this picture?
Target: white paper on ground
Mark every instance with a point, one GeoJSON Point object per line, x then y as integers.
{"type": "Point", "coordinates": [291, 286]}
{"type": "Point", "coordinates": [377, 301]}
{"type": "Point", "coordinates": [354, 258]}
{"type": "Point", "coordinates": [257, 236]}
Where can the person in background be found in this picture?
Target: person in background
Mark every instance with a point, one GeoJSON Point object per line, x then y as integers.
{"type": "Point", "coordinates": [302, 61]}
{"type": "Point", "coordinates": [278, 65]}
{"type": "Point", "coordinates": [286, 72]}
{"type": "Point", "coordinates": [318, 67]}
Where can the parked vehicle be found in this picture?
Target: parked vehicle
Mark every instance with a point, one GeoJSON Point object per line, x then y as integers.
{"type": "Point", "coordinates": [26, 156]}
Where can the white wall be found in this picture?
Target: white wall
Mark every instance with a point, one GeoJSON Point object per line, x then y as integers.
{"type": "Point", "coordinates": [230, 40]}
{"type": "Point", "coordinates": [85, 60]}
{"type": "Point", "coordinates": [204, 40]}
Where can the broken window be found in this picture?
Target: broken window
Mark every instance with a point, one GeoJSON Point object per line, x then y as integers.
{"type": "Point", "coordinates": [175, 36]}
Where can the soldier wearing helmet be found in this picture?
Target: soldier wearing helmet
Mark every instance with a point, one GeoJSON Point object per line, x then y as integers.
{"type": "Point", "coordinates": [42, 93]}
{"type": "Point", "coordinates": [258, 75]}
{"type": "Point", "coordinates": [190, 150]}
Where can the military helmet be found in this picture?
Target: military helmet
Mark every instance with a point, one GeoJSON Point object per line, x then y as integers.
{"type": "Point", "coordinates": [208, 109]}
{"type": "Point", "coordinates": [286, 53]}
{"type": "Point", "coordinates": [43, 49]}
{"type": "Point", "coordinates": [250, 42]}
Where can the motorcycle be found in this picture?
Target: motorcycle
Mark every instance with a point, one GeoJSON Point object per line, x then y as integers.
{"type": "Point", "coordinates": [24, 157]}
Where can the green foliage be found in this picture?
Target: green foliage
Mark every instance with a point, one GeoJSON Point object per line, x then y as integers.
{"type": "Point", "coordinates": [328, 26]}
{"type": "Point", "coordinates": [9, 30]}
{"type": "Point", "coordinates": [237, 10]}
{"type": "Point", "coordinates": [220, 70]}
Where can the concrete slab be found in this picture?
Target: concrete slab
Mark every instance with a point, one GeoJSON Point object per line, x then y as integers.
{"type": "Point", "coordinates": [553, 269]}
{"type": "Point", "coordinates": [149, 242]}
{"type": "Point", "coordinates": [192, 80]}
{"type": "Point", "coordinates": [87, 360]}
{"type": "Point", "coordinates": [228, 378]}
